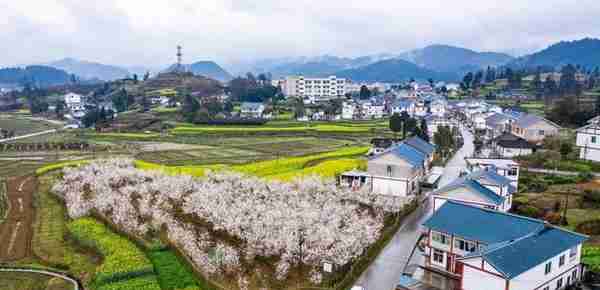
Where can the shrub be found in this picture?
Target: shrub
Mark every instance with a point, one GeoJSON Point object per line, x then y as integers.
{"type": "Point", "coordinates": [592, 195]}
{"type": "Point", "coordinates": [172, 273]}
{"type": "Point", "coordinates": [140, 283]}
{"type": "Point", "coordinates": [591, 227]}
{"type": "Point", "coordinates": [591, 257]}
{"type": "Point", "coordinates": [529, 211]}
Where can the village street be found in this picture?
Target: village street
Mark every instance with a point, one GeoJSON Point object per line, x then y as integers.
{"type": "Point", "coordinates": [386, 270]}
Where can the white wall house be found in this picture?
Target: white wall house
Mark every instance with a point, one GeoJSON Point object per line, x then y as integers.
{"type": "Point", "coordinates": [405, 105]}
{"type": "Point", "coordinates": [492, 250]}
{"type": "Point", "coordinates": [508, 145]}
{"type": "Point", "coordinates": [395, 172]}
{"type": "Point", "coordinates": [252, 110]}
{"type": "Point", "coordinates": [74, 102]}
{"type": "Point", "coordinates": [349, 110]}
{"type": "Point", "coordinates": [503, 166]}
{"type": "Point", "coordinates": [588, 140]}
{"type": "Point", "coordinates": [483, 188]}
{"type": "Point", "coordinates": [438, 107]}
{"type": "Point", "coordinates": [533, 128]}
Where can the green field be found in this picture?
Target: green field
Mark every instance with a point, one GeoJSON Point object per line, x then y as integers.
{"type": "Point", "coordinates": [50, 231]}
{"type": "Point", "coordinates": [23, 125]}
{"type": "Point", "coordinates": [24, 281]}
{"type": "Point", "coordinates": [172, 273]}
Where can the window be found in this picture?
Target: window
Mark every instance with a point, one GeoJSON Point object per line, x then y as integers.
{"type": "Point", "coordinates": [547, 288]}
{"type": "Point", "coordinates": [466, 246]}
{"type": "Point", "coordinates": [542, 133]}
{"type": "Point", "coordinates": [594, 139]}
{"type": "Point", "coordinates": [440, 238]}
{"type": "Point", "coordinates": [438, 257]}
{"type": "Point", "coordinates": [513, 171]}
{"type": "Point", "coordinates": [574, 275]}
{"type": "Point", "coordinates": [548, 268]}
{"type": "Point", "coordinates": [389, 170]}
{"type": "Point", "coordinates": [561, 261]}
{"type": "Point", "coordinates": [573, 253]}
{"type": "Point", "coordinates": [559, 283]}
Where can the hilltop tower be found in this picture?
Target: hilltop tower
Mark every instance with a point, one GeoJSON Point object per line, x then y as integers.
{"type": "Point", "coordinates": [179, 67]}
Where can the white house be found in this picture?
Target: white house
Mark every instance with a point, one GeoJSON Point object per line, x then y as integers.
{"type": "Point", "coordinates": [74, 101]}
{"type": "Point", "coordinates": [434, 122]}
{"type": "Point", "coordinates": [372, 110]}
{"type": "Point", "coordinates": [349, 110]}
{"type": "Point", "coordinates": [534, 128]}
{"type": "Point", "coordinates": [396, 172]}
{"type": "Point", "coordinates": [252, 110]}
{"type": "Point", "coordinates": [478, 249]}
{"type": "Point", "coordinates": [588, 140]}
{"type": "Point", "coordinates": [503, 166]}
{"type": "Point", "coordinates": [483, 188]}
{"type": "Point", "coordinates": [508, 145]}
{"type": "Point", "coordinates": [438, 107]}
{"type": "Point", "coordinates": [403, 105]}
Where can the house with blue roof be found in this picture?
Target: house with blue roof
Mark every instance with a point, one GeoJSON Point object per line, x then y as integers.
{"type": "Point", "coordinates": [483, 188]}
{"type": "Point", "coordinates": [403, 105]}
{"type": "Point", "coordinates": [397, 172]}
{"type": "Point", "coordinates": [479, 248]}
{"type": "Point", "coordinates": [424, 147]}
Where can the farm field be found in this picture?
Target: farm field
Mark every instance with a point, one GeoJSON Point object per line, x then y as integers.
{"type": "Point", "coordinates": [547, 196]}
{"type": "Point", "coordinates": [27, 281]}
{"type": "Point", "coordinates": [15, 231]}
{"type": "Point", "coordinates": [22, 125]}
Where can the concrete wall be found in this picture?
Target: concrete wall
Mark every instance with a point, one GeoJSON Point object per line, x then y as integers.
{"type": "Point", "coordinates": [587, 149]}
{"type": "Point", "coordinates": [536, 278]}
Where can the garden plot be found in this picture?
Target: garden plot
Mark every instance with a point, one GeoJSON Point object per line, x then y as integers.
{"type": "Point", "coordinates": [241, 231]}
{"type": "Point", "coordinates": [15, 232]}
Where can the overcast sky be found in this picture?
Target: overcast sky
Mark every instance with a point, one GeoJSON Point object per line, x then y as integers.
{"type": "Point", "coordinates": [145, 32]}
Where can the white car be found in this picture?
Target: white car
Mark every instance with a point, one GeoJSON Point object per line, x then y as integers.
{"type": "Point", "coordinates": [358, 287]}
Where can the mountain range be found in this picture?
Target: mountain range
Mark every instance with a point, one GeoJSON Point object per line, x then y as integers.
{"type": "Point", "coordinates": [584, 52]}
{"type": "Point", "coordinates": [90, 70]}
{"type": "Point", "coordinates": [34, 74]}
{"type": "Point", "coordinates": [441, 62]}
{"type": "Point", "coordinates": [208, 69]}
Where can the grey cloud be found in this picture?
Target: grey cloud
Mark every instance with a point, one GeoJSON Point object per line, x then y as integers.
{"type": "Point", "coordinates": [138, 32]}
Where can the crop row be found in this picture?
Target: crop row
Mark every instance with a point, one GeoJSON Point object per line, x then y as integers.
{"type": "Point", "coordinates": [326, 169]}
{"type": "Point", "coordinates": [271, 129]}
{"type": "Point", "coordinates": [59, 165]}
{"type": "Point", "coordinates": [287, 165]}
{"type": "Point", "coordinates": [122, 259]}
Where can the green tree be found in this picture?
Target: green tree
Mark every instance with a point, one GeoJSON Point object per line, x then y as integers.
{"type": "Point", "coordinates": [364, 93]}
{"type": "Point", "coordinates": [565, 149]}
{"type": "Point", "coordinates": [59, 109]}
{"type": "Point", "coordinates": [396, 124]}
{"type": "Point", "coordinates": [189, 108]}
{"type": "Point", "coordinates": [424, 130]}
{"type": "Point", "coordinates": [467, 80]}
{"type": "Point", "coordinates": [568, 82]}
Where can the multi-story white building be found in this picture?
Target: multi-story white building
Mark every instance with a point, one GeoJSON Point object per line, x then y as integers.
{"type": "Point", "coordinates": [476, 248]}
{"type": "Point", "coordinates": [503, 166]}
{"type": "Point", "coordinates": [322, 88]}
{"type": "Point", "coordinates": [588, 140]}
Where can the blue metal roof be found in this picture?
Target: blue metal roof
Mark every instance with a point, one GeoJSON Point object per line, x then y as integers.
{"type": "Point", "coordinates": [410, 154]}
{"type": "Point", "coordinates": [421, 145]}
{"type": "Point", "coordinates": [475, 187]}
{"type": "Point", "coordinates": [515, 257]}
{"type": "Point", "coordinates": [490, 175]}
{"type": "Point", "coordinates": [478, 224]}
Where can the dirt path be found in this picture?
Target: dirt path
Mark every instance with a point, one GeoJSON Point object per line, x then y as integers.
{"type": "Point", "coordinates": [16, 231]}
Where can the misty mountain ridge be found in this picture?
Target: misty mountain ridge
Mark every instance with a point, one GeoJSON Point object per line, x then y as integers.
{"type": "Point", "coordinates": [90, 70]}
{"type": "Point", "coordinates": [393, 70]}
{"type": "Point", "coordinates": [208, 69]}
{"type": "Point", "coordinates": [584, 52]}
{"type": "Point", "coordinates": [37, 75]}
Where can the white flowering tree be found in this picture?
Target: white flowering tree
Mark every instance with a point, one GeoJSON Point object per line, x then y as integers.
{"type": "Point", "coordinates": [307, 221]}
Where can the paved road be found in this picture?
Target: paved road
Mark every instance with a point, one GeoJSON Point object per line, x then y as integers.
{"type": "Point", "coordinates": [385, 271]}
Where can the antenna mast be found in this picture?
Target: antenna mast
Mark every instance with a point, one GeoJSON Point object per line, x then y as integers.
{"type": "Point", "coordinates": [179, 57]}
